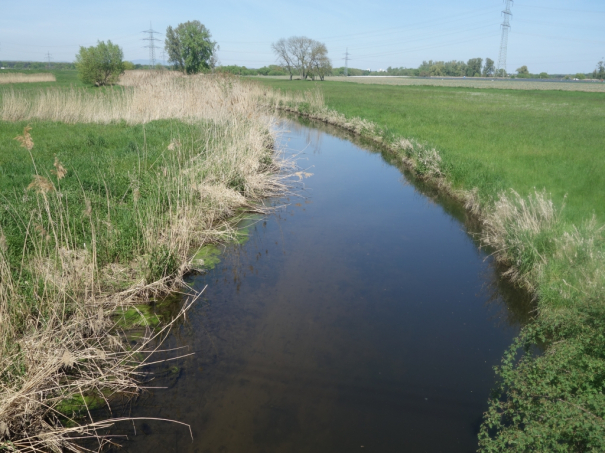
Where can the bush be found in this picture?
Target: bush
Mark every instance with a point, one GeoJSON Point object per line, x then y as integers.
{"type": "Point", "coordinates": [101, 64]}
{"type": "Point", "coordinates": [551, 401]}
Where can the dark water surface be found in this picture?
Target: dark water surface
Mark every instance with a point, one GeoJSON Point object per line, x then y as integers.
{"type": "Point", "coordinates": [360, 317]}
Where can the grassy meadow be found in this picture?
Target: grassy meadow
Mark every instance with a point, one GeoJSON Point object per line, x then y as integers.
{"type": "Point", "coordinates": [492, 139]}
{"type": "Point", "coordinates": [528, 165]}
{"type": "Point", "coordinates": [107, 196]}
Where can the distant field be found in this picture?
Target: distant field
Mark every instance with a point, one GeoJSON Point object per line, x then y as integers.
{"type": "Point", "coordinates": [470, 83]}
{"type": "Point", "coordinates": [26, 78]}
{"type": "Point", "coordinates": [62, 78]}
{"type": "Point", "coordinates": [492, 139]}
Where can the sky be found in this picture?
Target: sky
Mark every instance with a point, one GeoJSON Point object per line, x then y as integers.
{"type": "Point", "coordinates": [555, 36]}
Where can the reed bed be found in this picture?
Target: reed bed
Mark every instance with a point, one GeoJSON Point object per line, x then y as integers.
{"type": "Point", "coordinates": [143, 98]}
{"type": "Point", "coordinates": [64, 274]}
{"type": "Point", "coordinates": [26, 78]}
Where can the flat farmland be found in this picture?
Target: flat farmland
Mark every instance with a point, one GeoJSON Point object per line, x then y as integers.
{"type": "Point", "coordinates": [471, 82]}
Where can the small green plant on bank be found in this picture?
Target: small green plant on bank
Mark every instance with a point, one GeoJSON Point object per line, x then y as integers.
{"type": "Point", "coordinates": [551, 401]}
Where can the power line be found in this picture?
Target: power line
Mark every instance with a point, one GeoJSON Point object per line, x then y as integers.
{"type": "Point", "coordinates": [151, 46]}
{"type": "Point", "coordinates": [504, 40]}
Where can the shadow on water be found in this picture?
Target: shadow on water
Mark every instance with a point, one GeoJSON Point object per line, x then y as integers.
{"type": "Point", "coordinates": [360, 317]}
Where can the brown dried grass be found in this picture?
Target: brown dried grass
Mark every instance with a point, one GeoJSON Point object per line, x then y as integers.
{"type": "Point", "coordinates": [26, 78]}
{"type": "Point", "coordinates": [143, 97]}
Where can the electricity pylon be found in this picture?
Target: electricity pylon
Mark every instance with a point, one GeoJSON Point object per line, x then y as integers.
{"type": "Point", "coordinates": [151, 45]}
{"type": "Point", "coordinates": [504, 41]}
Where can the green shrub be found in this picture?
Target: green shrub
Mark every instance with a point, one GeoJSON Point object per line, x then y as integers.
{"type": "Point", "coordinates": [551, 398]}
{"type": "Point", "coordinates": [101, 64]}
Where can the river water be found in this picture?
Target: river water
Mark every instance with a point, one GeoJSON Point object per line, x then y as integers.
{"type": "Point", "coordinates": [360, 316]}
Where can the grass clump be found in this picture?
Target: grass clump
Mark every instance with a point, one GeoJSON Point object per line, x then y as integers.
{"type": "Point", "coordinates": [104, 195]}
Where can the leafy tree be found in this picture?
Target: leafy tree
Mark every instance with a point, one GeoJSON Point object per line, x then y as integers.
{"type": "Point", "coordinates": [580, 76]}
{"type": "Point", "coordinates": [128, 66]}
{"type": "Point", "coordinates": [489, 68]}
{"type": "Point", "coordinates": [101, 64]}
{"type": "Point", "coordinates": [543, 75]}
{"type": "Point", "coordinates": [523, 72]}
{"type": "Point", "coordinates": [190, 47]}
{"type": "Point", "coordinates": [599, 72]}
{"type": "Point", "coordinates": [473, 67]}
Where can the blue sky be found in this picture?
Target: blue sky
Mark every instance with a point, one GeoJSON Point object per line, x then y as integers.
{"type": "Point", "coordinates": [556, 36]}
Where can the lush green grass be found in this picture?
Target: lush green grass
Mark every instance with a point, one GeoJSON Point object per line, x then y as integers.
{"type": "Point", "coordinates": [493, 139]}
{"type": "Point", "coordinates": [65, 78]}
{"type": "Point", "coordinates": [105, 165]}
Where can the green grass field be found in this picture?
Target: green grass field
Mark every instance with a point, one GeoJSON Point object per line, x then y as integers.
{"type": "Point", "coordinates": [492, 139]}
{"type": "Point", "coordinates": [104, 163]}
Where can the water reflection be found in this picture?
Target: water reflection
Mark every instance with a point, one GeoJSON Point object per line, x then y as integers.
{"type": "Point", "coordinates": [361, 316]}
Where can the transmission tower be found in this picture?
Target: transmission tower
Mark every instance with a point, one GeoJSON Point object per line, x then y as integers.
{"type": "Point", "coordinates": [347, 63]}
{"type": "Point", "coordinates": [151, 46]}
{"type": "Point", "coordinates": [48, 56]}
{"type": "Point", "coordinates": [504, 41]}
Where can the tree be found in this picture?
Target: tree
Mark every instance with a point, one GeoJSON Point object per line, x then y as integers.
{"type": "Point", "coordinates": [473, 67]}
{"type": "Point", "coordinates": [101, 64]}
{"type": "Point", "coordinates": [319, 63]}
{"type": "Point", "coordinates": [543, 75]}
{"type": "Point", "coordinates": [280, 48]}
{"type": "Point", "coordinates": [302, 55]}
{"type": "Point", "coordinates": [190, 47]}
{"type": "Point", "coordinates": [489, 68]}
{"type": "Point", "coordinates": [523, 72]}
{"type": "Point", "coordinates": [599, 72]}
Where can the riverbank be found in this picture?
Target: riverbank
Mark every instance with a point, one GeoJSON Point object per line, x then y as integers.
{"type": "Point", "coordinates": [107, 195]}
{"type": "Point", "coordinates": [557, 254]}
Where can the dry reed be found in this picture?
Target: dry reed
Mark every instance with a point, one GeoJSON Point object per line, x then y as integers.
{"type": "Point", "coordinates": [144, 98]}
{"type": "Point", "coordinates": [26, 78]}
{"type": "Point", "coordinates": [66, 345]}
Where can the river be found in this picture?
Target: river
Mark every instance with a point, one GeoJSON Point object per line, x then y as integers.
{"type": "Point", "coordinates": [359, 316]}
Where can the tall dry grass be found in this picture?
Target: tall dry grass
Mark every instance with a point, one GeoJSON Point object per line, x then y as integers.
{"type": "Point", "coordinates": [26, 78]}
{"type": "Point", "coordinates": [64, 343]}
{"type": "Point", "coordinates": [143, 98]}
